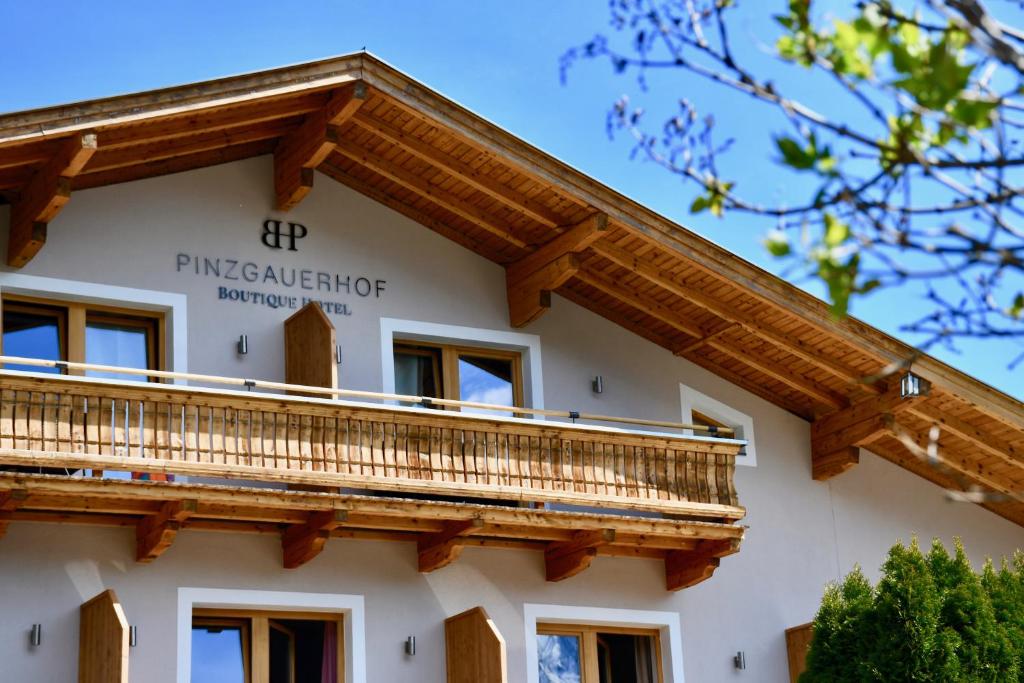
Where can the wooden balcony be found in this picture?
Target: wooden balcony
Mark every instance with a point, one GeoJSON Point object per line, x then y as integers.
{"type": "Point", "coordinates": [442, 478]}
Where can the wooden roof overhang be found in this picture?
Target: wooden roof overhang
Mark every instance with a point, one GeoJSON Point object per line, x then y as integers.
{"type": "Point", "coordinates": [372, 128]}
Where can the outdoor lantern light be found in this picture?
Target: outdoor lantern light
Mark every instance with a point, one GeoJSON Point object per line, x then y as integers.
{"type": "Point", "coordinates": [598, 384]}
{"type": "Point", "coordinates": [133, 636]}
{"type": "Point", "coordinates": [36, 635]}
{"type": "Point", "coordinates": [410, 645]}
{"type": "Point", "coordinates": [911, 385]}
{"type": "Point", "coordinates": [243, 345]}
{"type": "Point", "coordinates": [740, 660]}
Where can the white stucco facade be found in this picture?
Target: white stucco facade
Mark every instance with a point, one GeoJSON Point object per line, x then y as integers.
{"type": "Point", "coordinates": [801, 533]}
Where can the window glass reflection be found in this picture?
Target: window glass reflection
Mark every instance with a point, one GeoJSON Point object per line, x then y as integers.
{"type": "Point", "coordinates": [218, 654]}
{"type": "Point", "coordinates": [558, 659]}
{"type": "Point", "coordinates": [486, 380]}
{"type": "Point", "coordinates": [32, 334]}
{"type": "Point", "coordinates": [116, 344]}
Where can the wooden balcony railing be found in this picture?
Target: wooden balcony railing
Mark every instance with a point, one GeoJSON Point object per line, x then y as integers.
{"type": "Point", "coordinates": [75, 422]}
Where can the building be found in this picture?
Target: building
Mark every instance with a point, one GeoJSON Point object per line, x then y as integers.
{"type": "Point", "coordinates": [219, 516]}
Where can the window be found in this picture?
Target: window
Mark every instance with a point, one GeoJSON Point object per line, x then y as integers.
{"type": "Point", "coordinates": [266, 647]}
{"type": "Point", "coordinates": [81, 333]}
{"type": "Point", "coordinates": [597, 654]}
{"type": "Point", "coordinates": [698, 408]}
{"type": "Point", "coordinates": [459, 373]}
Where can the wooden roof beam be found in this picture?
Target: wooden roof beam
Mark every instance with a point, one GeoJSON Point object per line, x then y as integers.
{"type": "Point", "coordinates": [300, 543]}
{"type": "Point", "coordinates": [530, 297]}
{"type": "Point", "coordinates": [569, 558]}
{"type": "Point", "coordinates": [918, 445]}
{"type": "Point", "coordinates": [789, 343]}
{"type": "Point", "coordinates": [41, 200]}
{"type": "Point", "coordinates": [460, 170]}
{"type": "Point", "coordinates": [306, 147]}
{"type": "Point", "coordinates": [410, 181]}
{"type": "Point", "coordinates": [685, 568]}
{"type": "Point", "coordinates": [623, 293]}
{"type": "Point", "coordinates": [573, 240]}
{"type": "Point", "coordinates": [837, 437]}
{"type": "Point", "coordinates": [441, 548]}
{"type": "Point", "coordinates": [155, 533]}
{"type": "Point", "coordinates": [987, 442]}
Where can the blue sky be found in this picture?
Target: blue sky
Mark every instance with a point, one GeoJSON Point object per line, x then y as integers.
{"type": "Point", "coordinates": [498, 58]}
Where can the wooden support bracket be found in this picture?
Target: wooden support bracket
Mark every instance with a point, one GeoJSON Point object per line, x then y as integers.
{"type": "Point", "coordinates": [530, 280]}
{"type": "Point", "coordinates": [9, 502]}
{"type": "Point", "coordinates": [836, 437]}
{"type": "Point", "coordinates": [569, 558]}
{"type": "Point", "coordinates": [443, 547]}
{"type": "Point", "coordinates": [302, 542]}
{"type": "Point", "coordinates": [306, 147]}
{"type": "Point", "coordinates": [44, 196]}
{"type": "Point", "coordinates": [155, 533]}
{"type": "Point", "coordinates": [685, 568]}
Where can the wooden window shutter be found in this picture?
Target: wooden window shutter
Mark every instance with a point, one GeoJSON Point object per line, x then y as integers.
{"type": "Point", "coordinates": [474, 650]}
{"type": "Point", "coordinates": [103, 641]}
{"type": "Point", "coordinates": [309, 348]}
{"type": "Point", "coordinates": [798, 642]}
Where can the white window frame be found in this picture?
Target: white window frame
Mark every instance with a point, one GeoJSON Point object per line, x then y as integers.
{"type": "Point", "coordinates": [528, 345]}
{"type": "Point", "coordinates": [351, 607]}
{"type": "Point", "coordinates": [174, 307]}
{"type": "Point", "coordinates": [666, 623]}
{"type": "Point", "coordinates": [690, 399]}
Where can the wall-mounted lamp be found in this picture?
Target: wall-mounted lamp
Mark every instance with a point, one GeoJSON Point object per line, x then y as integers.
{"type": "Point", "coordinates": [35, 637]}
{"type": "Point", "coordinates": [243, 345]}
{"type": "Point", "coordinates": [410, 645]}
{"type": "Point", "coordinates": [911, 385]}
{"type": "Point", "coordinates": [337, 354]}
{"type": "Point", "coordinates": [597, 384]}
{"type": "Point", "coordinates": [740, 660]}
{"type": "Point", "coordinates": [133, 636]}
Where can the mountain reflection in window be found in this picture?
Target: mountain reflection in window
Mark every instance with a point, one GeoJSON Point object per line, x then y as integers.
{"type": "Point", "coordinates": [559, 659]}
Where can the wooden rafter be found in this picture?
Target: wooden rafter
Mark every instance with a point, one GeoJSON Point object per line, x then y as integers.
{"type": "Point", "coordinates": [155, 533]}
{"type": "Point", "coordinates": [302, 150]}
{"type": "Point", "coordinates": [935, 452]}
{"type": "Point", "coordinates": [626, 294]}
{"type": "Point", "coordinates": [787, 342]}
{"type": "Point", "coordinates": [530, 296]}
{"type": "Point", "coordinates": [441, 548]}
{"type": "Point", "coordinates": [300, 543]}
{"type": "Point", "coordinates": [45, 195]}
{"type": "Point", "coordinates": [9, 502]}
{"type": "Point", "coordinates": [461, 171]}
{"type": "Point", "coordinates": [427, 190]}
{"type": "Point", "coordinates": [562, 560]}
{"type": "Point", "coordinates": [979, 438]}
{"type": "Point", "coordinates": [572, 240]}
{"type": "Point", "coordinates": [685, 569]}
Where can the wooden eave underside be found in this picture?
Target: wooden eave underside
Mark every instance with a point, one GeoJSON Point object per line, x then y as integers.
{"type": "Point", "coordinates": [106, 502]}
{"type": "Point", "coordinates": [459, 175]}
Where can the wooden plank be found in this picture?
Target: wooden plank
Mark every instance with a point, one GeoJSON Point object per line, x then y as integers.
{"type": "Point", "coordinates": [563, 560]}
{"type": "Point", "coordinates": [435, 194]}
{"type": "Point", "coordinates": [474, 649]}
{"type": "Point", "coordinates": [980, 438]}
{"type": "Point", "coordinates": [306, 147]}
{"type": "Point", "coordinates": [103, 640]}
{"type": "Point", "coordinates": [462, 171]}
{"type": "Point", "coordinates": [300, 543]}
{"type": "Point", "coordinates": [44, 196]}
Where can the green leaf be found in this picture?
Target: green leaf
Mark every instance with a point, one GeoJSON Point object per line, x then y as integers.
{"type": "Point", "coordinates": [836, 231]}
{"type": "Point", "coordinates": [974, 113]}
{"type": "Point", "coordinates": [699, 204]}
{"type": "Point", "coordinates": [777, 244]}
